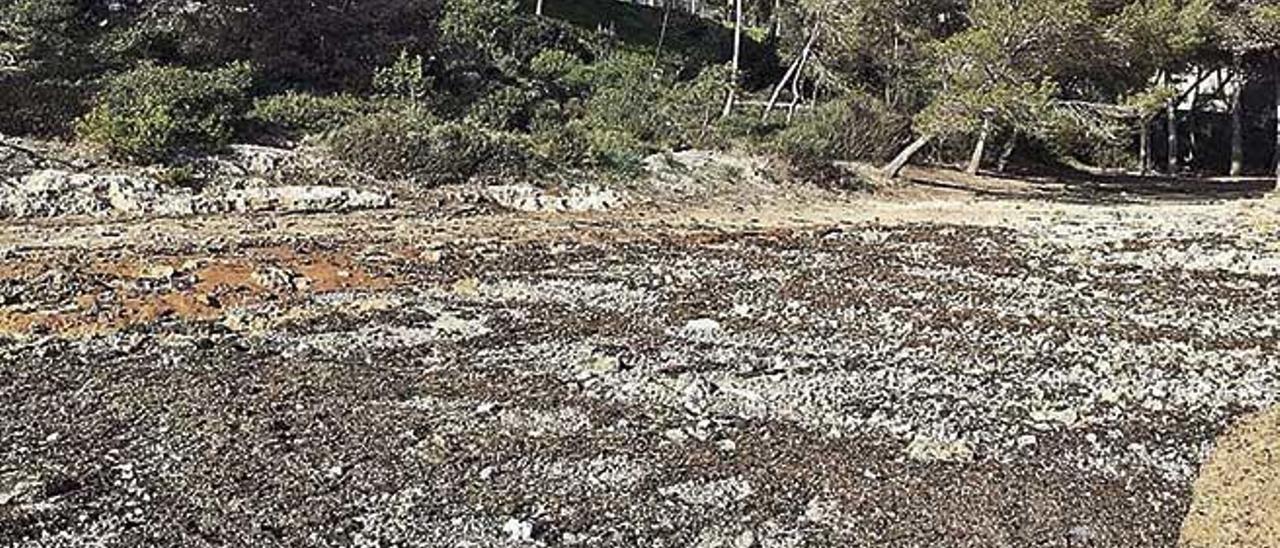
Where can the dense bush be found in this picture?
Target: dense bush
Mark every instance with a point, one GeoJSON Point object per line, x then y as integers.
{"type": "Point", "coordinates": [150, 113]}
{"type": "Point", "coordinates": [406, 78]}
{"type": "Point", "coordinates": [504, 108]}
{"type": "Point", "coordinates": [554, 66]}
{"type": "Point", "coordinates": [414, 145]}
{"type": "Point", "coordinates": [299, 114]}
{"type": "Point", "coordinates": [628, 99]}
{"type": "Point", "coordinates": [46, 108]}
{"type": "Point", "coordinates": [565, 146]}
{"type": "Point", "coordinates": [854, 127]}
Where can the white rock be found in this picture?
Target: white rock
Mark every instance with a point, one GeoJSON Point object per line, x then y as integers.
{"type": "Point", "coordinates": [702, 326]}
{"type": "Point", "coordinates": [518, 530]}
{"type": "Point", "coordinates": [928, 449]}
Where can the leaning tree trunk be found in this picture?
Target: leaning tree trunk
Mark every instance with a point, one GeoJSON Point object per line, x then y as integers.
{"type": "Point", "coordinates": [737, 56]}
{"type": "Point", "coordinates": [539, 8]}
{"type": "Point", "coordinates": [796, 91]}
{"type": "Point", "coordinates": [979, 149]}
{"type": "Point", "coordinates": [792, 72]}
{"type": "Point", "coordinates": [777, 90]}
{"type": "Point", "coordinates": [895, 167]}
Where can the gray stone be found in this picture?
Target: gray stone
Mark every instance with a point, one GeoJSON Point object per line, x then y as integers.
{"type": "Point", "coordinates": [56, 193]}
{"type": "Point", "coordinates": [929, 449]}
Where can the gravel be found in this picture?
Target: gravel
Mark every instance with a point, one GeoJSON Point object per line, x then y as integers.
{"type": "Point", "coordinates": [916, 384]}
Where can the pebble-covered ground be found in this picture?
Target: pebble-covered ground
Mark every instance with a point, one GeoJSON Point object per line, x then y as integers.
{"type": "Point", "coordinates": [1052, 382]}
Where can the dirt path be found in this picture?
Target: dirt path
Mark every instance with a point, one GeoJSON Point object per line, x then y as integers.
{"type": "Point", "coordinates": [932, 369]}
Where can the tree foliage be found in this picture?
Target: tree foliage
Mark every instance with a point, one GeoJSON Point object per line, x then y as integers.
{"type": "Point", "coordinates": [587, 85]}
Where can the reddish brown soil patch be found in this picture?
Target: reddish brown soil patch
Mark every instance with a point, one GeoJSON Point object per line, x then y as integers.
{"type": "Point", "coordinates": [214, 286]}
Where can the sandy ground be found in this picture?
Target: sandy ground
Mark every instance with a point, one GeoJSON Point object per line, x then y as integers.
{"type": "Point", "coordinates": [925, 367]}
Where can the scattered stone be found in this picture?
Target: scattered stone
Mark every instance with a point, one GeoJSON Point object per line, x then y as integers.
{"type": "Point", "coordinates": [158, 272]}
{"type": "Point", "coordinates": [467, 287]}
{"type": "Point", "coordinates": [1082, 536]}
{"type": "Point", "coordinates": [702, 326]}
{"type": "Point", "coordinates": [1046, 419]}
{"type": "Point", "coordinates": [208, 300]}
{"type": "Point", "coordinates": [294, 199]}
{"type": "Point", "coordinates": [280, 280]}
{"type": "Point", "coordinates": [20, 492]}
{"type": "Point", "coordinates": [56, 193]}
{"type": "Point", "coordinates": [719, 493]}
{"type": "Point", "coordinates": [597, 365]}
{"type": "Point", "coordinates": [518, 530]}
{"type": "Point", "coordinates": [528, 198]}
{"type": "Point", "coordinates": [451, 324]}
{"type": "Point", "coordinates": [928, 449]}
{"type": "Point", "coordinates": [677, 435]}
{"type": "Point", "coordinates": [821, 510]}
{"type": "Point", "coordinates": [256, 159]}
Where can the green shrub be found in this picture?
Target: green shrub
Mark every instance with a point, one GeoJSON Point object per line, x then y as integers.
{"type": "Point", "coordinates": [406, 78]}
{"type": "Point", "coordinates": [564, 147]}
{"type": "Point", "coordinates": [150, 113]}
{"type": "Point", "coordinates": [743, 128]}
{"type": "Point", "coordinates": [505, 108]}
{"type": "Point", "coordinates": [554, 65]}
{"type": "Point", "coordinates": [302, 114]}
{"type": "Point", "coordinates": [854, 127]}
{"type": "Point", "coordinates": [477, 32]}
{"type": "Point", "coordinates": [616, 149]}
{"type": "Point", "coordinates": [628, 98]}
{"type": "Point", "coordinates": [413, 145]}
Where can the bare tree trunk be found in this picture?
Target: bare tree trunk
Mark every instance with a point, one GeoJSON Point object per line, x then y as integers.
{"type": "Point", "coordinates": [1144, 147]}
{"type": "Point", "coordinates": [777, 18]}
{"type": "Point", "coordinates": [777, 90]}
{"type": "Point", "coordinates": [796, 91]}
{"type": "Point", "coordinates": [1277, 150]}
{"type": "Point", "coordinates": [979, 149]}
{"type": "Point", "coordinates": [791, 72]}
{"type": "Point", "coordinates": [1007, 152]}
{"type": "Point", "coordinates": [895, 167]}
{"type": "Point", "coordinates": [1192, 127]}
{"type": "Point", "coordinates": [737, 56]}
{"type": "Point", "coordinates": [662, 34]}
{"type": "Point", "coordinates": [1171, 132]}
{"type": "Point", "coordinates": [1237, 130]}
{"type": "Point", "coordinates": [539, 8]}
{"type": "Point", "coordinates": [1171, 126]}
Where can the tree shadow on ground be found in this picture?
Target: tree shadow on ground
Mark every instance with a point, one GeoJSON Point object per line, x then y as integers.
{"type": "Point", "coordinates": [1078, 187]}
